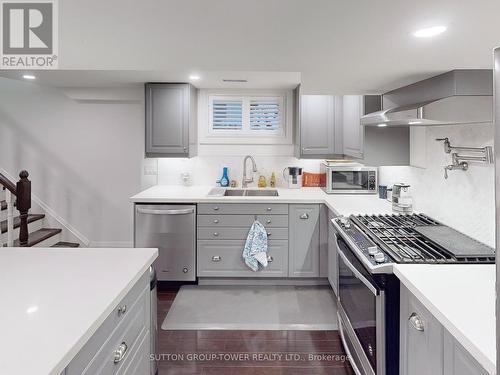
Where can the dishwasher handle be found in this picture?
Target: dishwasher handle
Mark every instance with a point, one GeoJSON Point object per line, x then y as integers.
{"type": "Point", "coordinates": [165, 212]}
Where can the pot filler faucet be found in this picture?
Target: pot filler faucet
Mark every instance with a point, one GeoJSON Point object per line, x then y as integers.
{"type": "Point", "coordinates": [460, 156]}
{"type": "Point", "coordinates": [246, 180]}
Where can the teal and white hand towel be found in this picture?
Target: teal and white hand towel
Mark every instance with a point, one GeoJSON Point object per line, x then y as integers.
{"type": "Point", "coordinates": [255, 251]}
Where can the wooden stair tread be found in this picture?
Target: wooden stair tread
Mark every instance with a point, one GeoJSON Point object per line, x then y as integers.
{"type": "Point", "coordinates": [39, 235]}
{"type": "Point", "coordinates": [17, 221]}
{"type": "Point", "coordinates": [66, 244]}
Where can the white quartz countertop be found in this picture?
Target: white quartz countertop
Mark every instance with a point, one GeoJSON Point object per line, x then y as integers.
{"type": "Point", "coordinates": [341, 204]}
{"type": "Point", "coordinates": [54, 299]}
{"type": "Point", "coordinates": [462, 298]}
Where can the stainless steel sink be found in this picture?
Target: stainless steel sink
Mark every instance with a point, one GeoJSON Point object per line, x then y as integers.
{"type": "Point", "coordinates": [261, 193]}
{"type": "Point", "coordinates": [223, 192]}
{"type": "Point", "coordinates": [234, 192]}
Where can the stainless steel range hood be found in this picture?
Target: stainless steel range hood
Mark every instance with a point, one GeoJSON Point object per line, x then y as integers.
{"type": "Point", "coordinates": [462, 96]}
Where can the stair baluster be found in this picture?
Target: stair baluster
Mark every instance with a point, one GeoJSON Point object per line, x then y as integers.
{"type": "Point", "coordinates": [9, 198]}
{"type": "Point", "coordinates": [23, 192]}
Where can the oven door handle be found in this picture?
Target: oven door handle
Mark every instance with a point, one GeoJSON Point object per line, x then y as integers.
{"type": "Point", "coordinates": [356, 273]}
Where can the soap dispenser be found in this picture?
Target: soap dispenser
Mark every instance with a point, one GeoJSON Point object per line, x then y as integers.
{"type": "Point", "coordinates": [224, 180]}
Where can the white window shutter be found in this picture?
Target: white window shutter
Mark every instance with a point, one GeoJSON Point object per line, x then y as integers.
{"type": "Point", "coordinates": [265, 114]}
{"type": "Point", "coordinates": [227, 114]}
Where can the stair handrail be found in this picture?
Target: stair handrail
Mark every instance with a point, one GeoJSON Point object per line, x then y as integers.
{"type": "Point", "coordinates": [22, 191]}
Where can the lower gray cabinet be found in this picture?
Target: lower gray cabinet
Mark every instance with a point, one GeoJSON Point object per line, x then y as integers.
{"type": "Point", "coordinates": [421, 340]}
{"type": "Point", "coordinates": [224, 259]}
{"type": "Point", "coordinates": [304, 240]}
{"type": "Point", "coordinates": [457, 360]}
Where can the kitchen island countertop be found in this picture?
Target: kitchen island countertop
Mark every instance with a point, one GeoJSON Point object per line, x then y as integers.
{"type": "Point", "coordinates": [55, 299]}
{"type": "Point", "coordinates": [462, 298]}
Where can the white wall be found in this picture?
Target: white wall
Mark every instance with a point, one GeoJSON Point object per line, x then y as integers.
{"type": "Point", "coordinates": [84, 157]}
{"type": "Point", "coordinates": [466, 200]}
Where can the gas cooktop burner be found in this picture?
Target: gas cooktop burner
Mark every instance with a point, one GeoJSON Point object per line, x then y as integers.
{"type": "Point", "coordinates": [418, 238]}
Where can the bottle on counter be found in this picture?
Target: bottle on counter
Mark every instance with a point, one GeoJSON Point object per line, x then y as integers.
{"type": "Point", "coordinates": [272, 181]}
{"type": "Point", "coordinates": [262, 182]}
{"type": "Point", "coordinates": [224, 180]}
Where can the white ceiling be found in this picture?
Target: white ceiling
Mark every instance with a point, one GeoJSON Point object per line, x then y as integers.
{"type": "Point", "coordinates": [337, 46]}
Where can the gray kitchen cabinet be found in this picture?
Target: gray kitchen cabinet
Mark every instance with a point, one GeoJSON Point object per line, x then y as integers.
{"type": "Point", "coordinates": [373, 145]}
{"type": "Point", "coordinates": [171, 120]}
{"type": "Point", "coordinates": [353, 133]}
{"type": "Point", "coordinates": [318, 127]}
{"type": "Point", "coordinates": [457, 360]}
{"type": "Point", "coordinates": [333, 267]}
{"type": "Point", "coordinates": [304, 240]}
{"type": "Point", "coordinates": [127, 329]}
{"type": "Point", "coordinates": [421, 338]}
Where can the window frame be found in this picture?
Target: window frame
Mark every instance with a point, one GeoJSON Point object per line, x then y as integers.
{"type": "Point", "coordinates": [246, 135]}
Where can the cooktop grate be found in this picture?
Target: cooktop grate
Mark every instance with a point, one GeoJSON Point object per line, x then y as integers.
{"type": "Point", "coordinates": [396, 235]}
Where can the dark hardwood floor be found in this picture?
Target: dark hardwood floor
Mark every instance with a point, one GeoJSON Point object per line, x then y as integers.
{"type": "Point", "coordinates": [247, 352]}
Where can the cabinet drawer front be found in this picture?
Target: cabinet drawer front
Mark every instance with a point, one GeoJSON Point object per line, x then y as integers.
{"type": "Point", "coordinates": [244, 221]}
{"type": "Point", "coordinates": [116, 318]}
{"type": "Point", "coordinates": [127, 333]}
{"type": "Point", "coordinates": [216, 233]}
{"type": "Point", "coordinates": [243, 208]}
{"type": "Point", "coordinates": [224, 259]}
{"type": "Point", "coordinates": [138, 360]}
{"type": "Point", "coordinates": [270, 221]}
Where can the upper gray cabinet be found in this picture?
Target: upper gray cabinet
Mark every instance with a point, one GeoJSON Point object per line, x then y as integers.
{"type": "Point", "coordinates": [318, 125]}
{"type": "Point", "coordinates": [171, 120]}
{"type": "Point", "coordinates": [373, 145]}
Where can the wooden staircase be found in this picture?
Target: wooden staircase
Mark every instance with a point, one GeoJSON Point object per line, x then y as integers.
{"type": "Point", "coordinates": [24, 230]}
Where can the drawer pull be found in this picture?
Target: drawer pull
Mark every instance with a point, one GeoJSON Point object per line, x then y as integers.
{"type": "Point", "coordinates": [122, 310]}
{"type": "Point", "coordinates": [216, 258]}
{"type": "Point", "coordinates": [416, 322]}
{"type": "Point", "coordinates": [216, 234]}
{"type": "Point", "coordinates": [185, 270]}
{"type": "Point", "coordinates": [268, 234]}
{"type": "Point", "coordinates": [216, 221]}
{"type": "Point", "coordinates": [304, 216]}
{"type": "Point", "coordinates": [120, 352]}
{"type": "Point", "coordinates": [268, 221]}
{"type": "Point", "coordinates": [269, 208]}
{"type": "Point", "coordinates": [216, 208]}
{"type": "Point", "coordinates": [270, 258]}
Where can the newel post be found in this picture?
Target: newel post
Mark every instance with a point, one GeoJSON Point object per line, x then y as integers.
{"type": "Point", "coordinates": [23, 190]}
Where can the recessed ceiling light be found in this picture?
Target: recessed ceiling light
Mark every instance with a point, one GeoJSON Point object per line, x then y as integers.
{"type": "Point", "coordinates": [429, 31]}
{"type": "Point", "coordinates": [382, 125]}
{"type": "Point", "coordinates": [194, 77]}
{"type": "Point", "coordinates": [29, 76]}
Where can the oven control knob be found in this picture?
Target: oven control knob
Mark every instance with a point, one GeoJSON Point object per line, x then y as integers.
{"type": "Point", "coordinates": [379, 257]}
{"type": "Point", "coordinates": [372, 250]}
{"type": "Point", "coordinates": [345, 222]}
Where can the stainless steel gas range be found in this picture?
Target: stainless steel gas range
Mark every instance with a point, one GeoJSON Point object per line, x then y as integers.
{"type": "Point", "coordinates": [368, 246]}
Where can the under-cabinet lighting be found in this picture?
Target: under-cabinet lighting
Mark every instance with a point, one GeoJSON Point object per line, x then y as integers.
{"type": "Point", "coordinates": [414, 122]}
{"type": "Point", "coordinates": [382, 125]}
{"type": "Point", "coordinates": [194, 78]}
{"type": "Point", "coordinates": [429, 31]}
{"type": "Point", "coordinates": [29, 76]}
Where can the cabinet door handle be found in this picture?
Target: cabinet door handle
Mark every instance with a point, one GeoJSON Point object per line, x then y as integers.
{"type": "Point", "coordinates": [216, 234]}
{"type": "Point", "coordinates": [216, 208]}
{"type": "Point", "coordinates": [216, 221]}
{"type": "Point", "coordinates": [269, 208]}
{"type": "Point", "coordinates": [268, 221]}
{"type": "Point", "coordinates": [122, 310]}
{"type": "Point", "coordinates": [216, 258]}
{"type": "Point", "coordinates": [120, 352]}
{"type": "Point", "coordinates": [268, 234]}
{"type": "Point", "coordinates": [270, 258]}
{"type": "Point", "coordinates": [416, 322]}
{"type": "Point", "coordinates": [304, 216]}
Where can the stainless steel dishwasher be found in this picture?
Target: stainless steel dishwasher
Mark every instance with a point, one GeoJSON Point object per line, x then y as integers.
{"type": "Point", "coordinates": [171, 229]}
